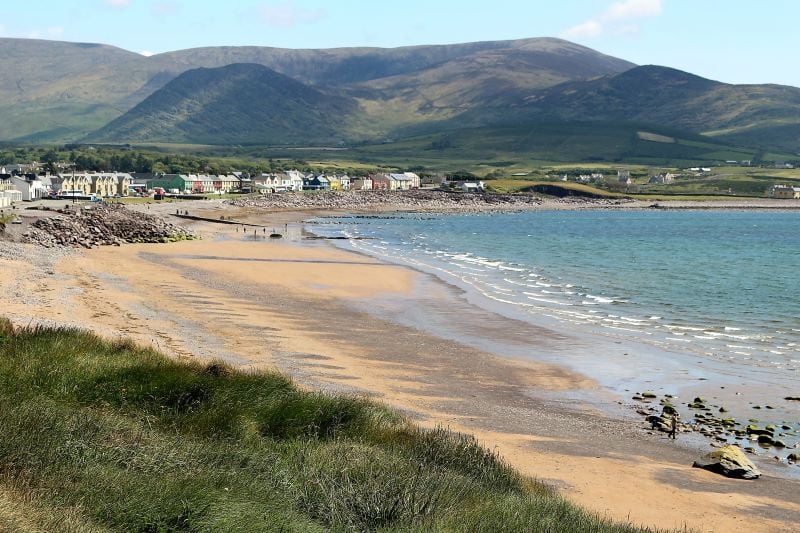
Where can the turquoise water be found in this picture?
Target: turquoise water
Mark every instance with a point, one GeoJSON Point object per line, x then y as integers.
{"type": "Point", "coordinates": [722, 285]}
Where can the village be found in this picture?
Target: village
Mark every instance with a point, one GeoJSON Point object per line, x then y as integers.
{"type": "Point", "coordinates": [29, 182]}
{"type": "Point", "coordinates": [24, 183]}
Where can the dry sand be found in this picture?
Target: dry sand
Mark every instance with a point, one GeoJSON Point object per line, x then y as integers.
{"type": "Point", "coordinates": [300, 307]}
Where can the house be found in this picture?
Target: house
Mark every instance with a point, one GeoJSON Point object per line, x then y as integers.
{"type": "Point", "coordinates": [335, 182]}
{"type": "Point", "coordinates": [295, 180]}
{"type": "Point", "coordinates": [316, 183]}
{"type": "Point", "coordinates": [361, 184]}
{"type": "Point", "coordinates": [30, 186]}
{"type": "Point", "coordinates": [180, 183]}
{"type": "Point", "coordinates": [228, 183]}
{"type": "Point", "coordinates": [472, 186]}
{"type": "Point", "coordinates": [624, 177]}
{"type": "Point", "coordinates": [8, 192]}
{"type": "Point", "coordinates": [415, 179]}
{"type": "Point", "coordinates": [380, 182]}
{"type": "Point", "coordinates": [399, 182]}
{"type": "Point", "coordinates": [784, 192]}
{"type": "Point", "coordinates": [63, 183]}
{"type": "Point", "coordinates": [663, 179]}
{"type": "Point", "coordinates": [345, 181]}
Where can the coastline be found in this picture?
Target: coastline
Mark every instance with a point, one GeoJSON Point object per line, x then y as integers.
{"type": "Point", "coordinates": [211, 300]}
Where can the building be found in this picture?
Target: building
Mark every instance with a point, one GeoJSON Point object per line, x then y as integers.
{"type": "Point", "coordinates": [316, 183]}
{"type": "Point", "coordinates": [227, 183]}
{"type": "Point", "coordinates": [64, 183]}
{"type": "Point", "coordinates": [345, 182]}
{"type": "Point", "coordinates": [401, 182]}
{"type": "Point", "coordinates": [380, 182]}
{"type": "Point", "coordinates": [663, 179]}
{"type": "Point", "coordinates": [415, 179]}
{"type": "Point", "coordinates": [335, 182]}
{"type": "Point", "coordinates": [8, 191]}
{"type": "Point", "coordinates": [472, 186]}
{"type": "Point", "coordinates": [30, 186]}
{"type": "Point", "coordinates": [175, 183]}
{"type": "Point", "coordinates": [361, 184]}
{"type": "Point", "coordinates": [624, 178]}
{"type": "Point", "coordinates": [784, 192]}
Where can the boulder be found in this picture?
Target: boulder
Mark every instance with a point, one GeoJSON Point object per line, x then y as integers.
{"type": "Point", "coordinates": [793, 458]}
{"type": "Point", "coordinates": [729, 461]}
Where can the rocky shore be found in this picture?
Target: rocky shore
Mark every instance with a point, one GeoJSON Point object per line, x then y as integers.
{"type": "Point", "coordinates": [776, 440]}
{"type": "Point", "coordinates": [102, 225]}
{"type": "Point", "coordinates": [416, 200]}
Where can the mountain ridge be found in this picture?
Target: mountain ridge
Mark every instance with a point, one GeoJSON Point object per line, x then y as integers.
{"type": "Point", "coordinates": [370, 93]}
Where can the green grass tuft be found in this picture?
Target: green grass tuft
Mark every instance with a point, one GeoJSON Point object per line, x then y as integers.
{"type": "Point", "coordinates": [103, 435]}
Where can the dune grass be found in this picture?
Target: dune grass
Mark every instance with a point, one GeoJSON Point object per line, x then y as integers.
{"type": "Point", "coordinates": [99, 435]}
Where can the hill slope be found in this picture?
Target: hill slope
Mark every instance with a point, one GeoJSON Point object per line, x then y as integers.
{"type": "Point", "coordinates": [669, 97]}
{"type": "Point", "coordinates": [82, 94]}
{"type": "Point", "coordinates": [235, 104]}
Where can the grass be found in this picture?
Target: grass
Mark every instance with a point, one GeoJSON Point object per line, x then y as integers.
{"type": "Point", "coordinates": [99, 435]}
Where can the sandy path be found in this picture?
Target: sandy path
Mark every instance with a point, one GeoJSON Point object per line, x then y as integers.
{"type": "Point", "coordinates": [292, 307]}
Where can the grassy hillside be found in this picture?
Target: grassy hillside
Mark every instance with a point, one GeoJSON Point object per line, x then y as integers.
{"type": "Point", "coordinates": [240, 103]}
{"type": "Point", "coordinates": [63, 91]}
{"type": "Point", "coordinates": [672, 98]}
{"type": "Point", "coordinates": [542, 143]}
{"type": "Point", "coordinates": [104, 436]}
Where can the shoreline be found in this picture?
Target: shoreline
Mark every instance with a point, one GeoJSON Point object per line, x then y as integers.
{"type": "Point", "coordinates": [627, 369]}
{"type": "Point", "coordinates": [426, 377]}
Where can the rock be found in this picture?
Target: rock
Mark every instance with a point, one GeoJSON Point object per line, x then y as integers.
{"type": "Point", "coordinates": [649, 394]}
{"type": "Point", "coordinates": [793, 458]}
{"type": "Point", "coordinates": [793, 398]}
{"type": "Point", "coordinates": [668, 410]}
{"type": "Point", "coordinates": [766, 440]}
{"type": "Point", "coordinates": [729, 461]}
{"type": "Point", "coordinates": [697, 405]}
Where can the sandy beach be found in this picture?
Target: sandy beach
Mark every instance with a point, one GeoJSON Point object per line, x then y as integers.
{"type": "Point", "coordinates": [324, 316]}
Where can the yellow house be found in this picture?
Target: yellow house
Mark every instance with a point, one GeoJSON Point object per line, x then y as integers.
{"type": "Point", "coordinates": [336, 183]}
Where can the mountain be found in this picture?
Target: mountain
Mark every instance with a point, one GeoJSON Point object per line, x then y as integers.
{"type": "Point", "coordinates": [67, 91]}
{"type": "Point", "coordinates": [234, 104]}
{"type": "Point", "coordinates": [81, 94]}
{"type": "Point", "coordinates": [665, 96]}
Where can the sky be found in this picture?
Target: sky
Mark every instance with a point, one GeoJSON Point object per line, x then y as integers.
{"type": "Point", "coordinates": [734, 41]}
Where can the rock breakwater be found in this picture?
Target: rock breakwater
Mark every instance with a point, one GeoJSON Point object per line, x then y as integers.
{"type": "Point", "coordinates": [421, 200]}
{"type": "Point", "coordinates": [102, 225]}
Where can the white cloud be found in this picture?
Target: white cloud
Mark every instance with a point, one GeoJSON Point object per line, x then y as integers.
{"type": "Point", "coordinates": [619, 17]}
{"type": "Point", "coordinates": [288, 15]}
{"type": "Point", "coordinates": [118, 3]}
{"type": "Point", "coordinates": [147, 53]}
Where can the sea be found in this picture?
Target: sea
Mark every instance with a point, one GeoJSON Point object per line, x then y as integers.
{"type": "Point", "coordinates": [708, 293]}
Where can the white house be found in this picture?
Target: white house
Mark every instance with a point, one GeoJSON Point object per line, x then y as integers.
{"type": "Point", "coordinates": [415, 181]}
{"type": "Point", "coordinates": [399, 182]}
{"type": "Point", "coordinates": [472, 186]}
{"type": "Point", "coordinates": [784, 192]}
{"type": "Point", "coordinates": [30, 186]}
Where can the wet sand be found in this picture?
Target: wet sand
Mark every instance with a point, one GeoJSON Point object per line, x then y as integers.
{"type": "Point", "coordinates": [303, 308]}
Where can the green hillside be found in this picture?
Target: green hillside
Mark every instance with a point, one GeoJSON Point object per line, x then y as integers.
{"type": "Point", "coordinates": [236, 104]}
{"type": "Point", "coordinates": [760, 115]}
{"type": "Point", "coordinates": [73, 89]}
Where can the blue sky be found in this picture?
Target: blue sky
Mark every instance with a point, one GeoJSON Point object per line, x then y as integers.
{"type": "Point", "coordinates": [734, 41]}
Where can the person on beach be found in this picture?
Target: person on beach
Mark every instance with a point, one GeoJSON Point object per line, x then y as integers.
{"type": "Point", "coordinates": [673, 426]}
